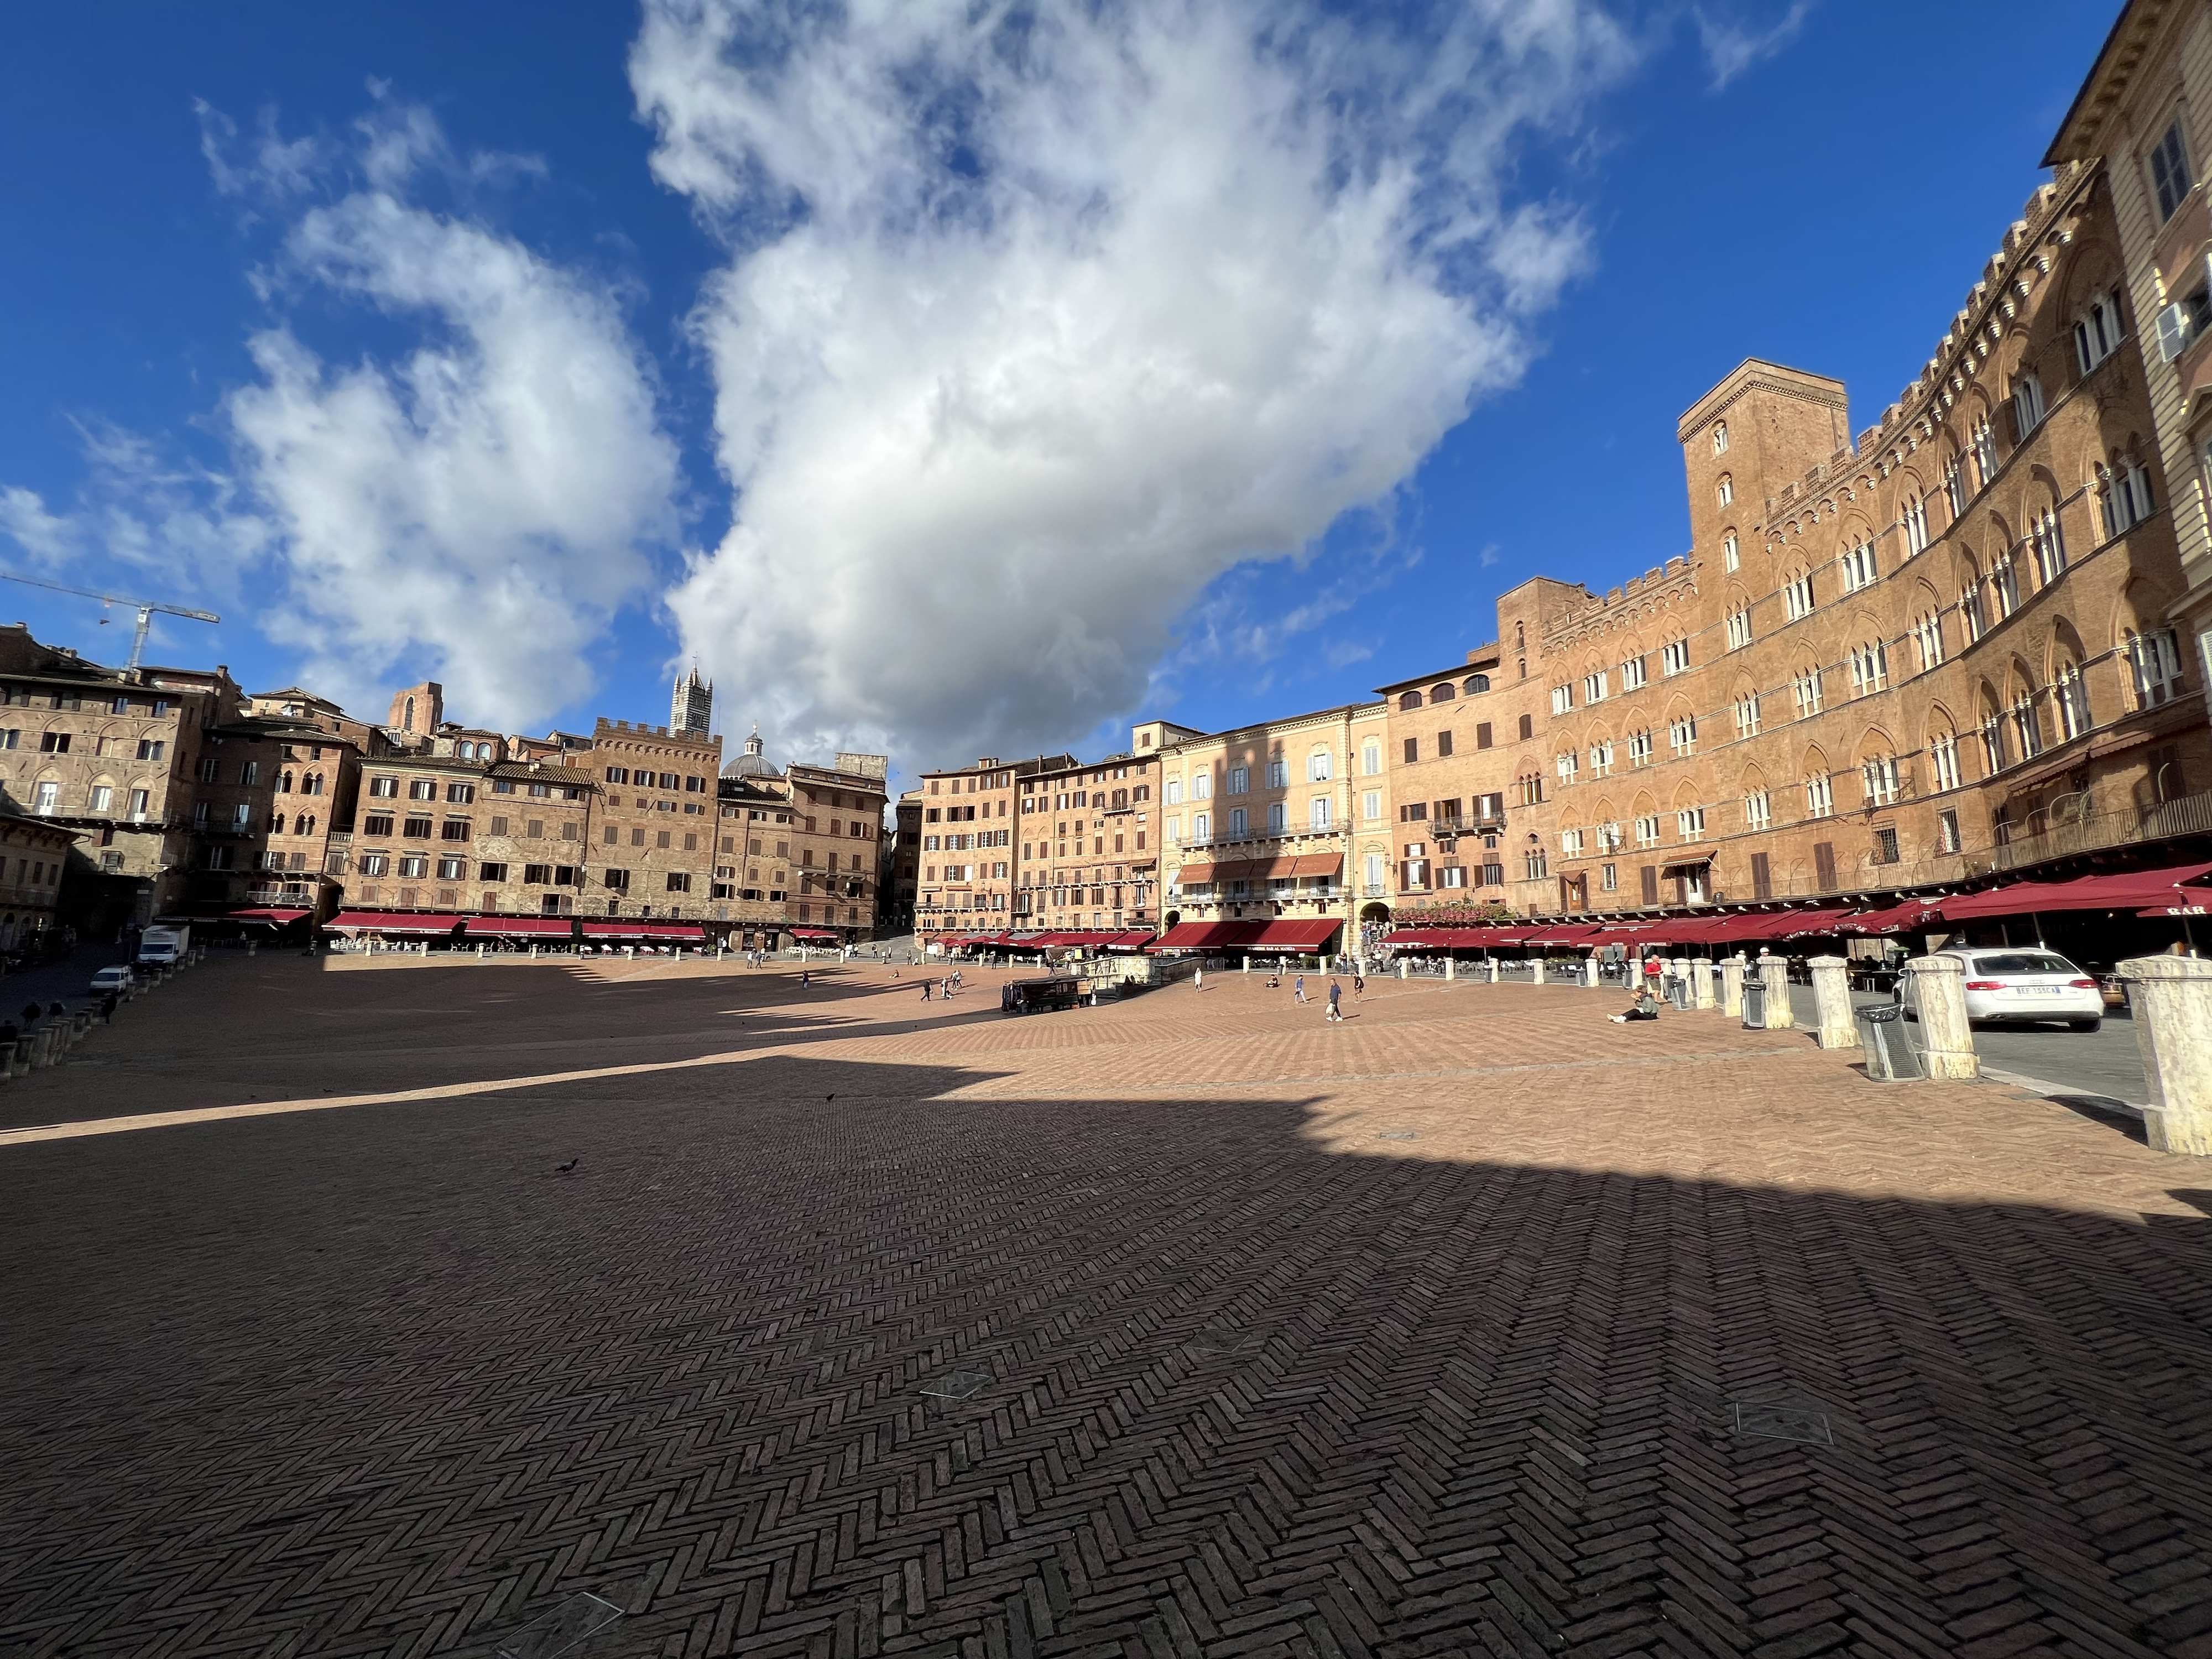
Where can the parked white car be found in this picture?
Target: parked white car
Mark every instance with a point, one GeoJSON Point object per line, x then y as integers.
{"type": "Point", "coordinates": [112, 979]}
{"type": "Point", "coordinates": [2021, 986]}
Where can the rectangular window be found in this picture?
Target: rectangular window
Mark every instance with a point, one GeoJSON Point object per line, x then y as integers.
{"type": "Point", "coordinates": [1278, 821]}
{"type": "Point", "coordinates": [1236, 821]}
{"type": "Point", "coordinates": [1946, 832]}
{"type": "Point", "coordinates": [1675, 658]}
{"type": "Point", "coordinates": [1240, 779]}
{"type": "Point", "coordinates": [1632, 674]}
{"type": "Point", "coordinates": [1594, 687]}
{"type": "Point", "coordinates": [1563, 698]}
{"type": "Point", "coordinates": [1482, 735]}
{"type": "Point", "coordinates": [2169, 171]}
{"type": "Point", "coordinates": [376, 824]}
{"type": "Point", "coordinates": [1824, 864]}
{"type": "Point", "coordinates": [1762, 877]}
{"type": "Point", "coordinates": [1201, 826]}
{"type": "Point", "coordinates": [453, 829]}
{"type": "Point", "coordinates": [1650, 873]}
{"type": "Point", "coordinates": [1278, 771]}
{"type": "Point", "coordinates": [384, 788]}
{"type": "Point", "coordinates": [491, 872]}
{"type": "Point", "coordinates": [139, 802]}
{"type": "Point", "coordinates": [1443, 745]}
{"type": "Point", "coordinates": [460, 794]}
{"type": "Point", "coordinates": [416, 829]}
{"type": "Point", "coordinates": [1317, 812]}
{"type": "Point", "coordinates": [1318, 770]}
{"type": "Point", "coordinates": [1370, 807]}
{"type": "Point", "coordinates": [414, 865]}
{"type": "Point", "coordinates": [1570, 844]}
{"type": "Point", "coordinates": [1412, 750]}
{"type": "Point", "coordinates": [452, 869]}
{"type": "Point", "coordinates": [1690, 823]}
{"type": "Point", "coordinates": [1647, 830]}
{"type": "Point", "coordinates": [1201, 788]}
{"type": "Point", "coordinates": [1608, 878]}
{"type": "Point", "coordinates": [1731, 554]}
{"type": "Point", "coordinates": [2096, 333]}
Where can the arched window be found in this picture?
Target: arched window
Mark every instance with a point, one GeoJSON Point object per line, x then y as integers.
{"type": "Point", "coordinates": [2096, 333]}
{"type": "Point", "coordinates": [276, 824]}
{"type": "Point", "coordinates": [1726, 490]}
{"type": "Point", "coordinates": [1720, 437]}
{"type": "Point", "coordinates": [1442, 692]}
{"type": "Point", "coordinates": [1477, 683]}
{"type": "Point", "coordinates": [1411, 700]}
{"type": "Point", "coordinates": [284, 783]}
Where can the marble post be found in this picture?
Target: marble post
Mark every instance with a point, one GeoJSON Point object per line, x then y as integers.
{"type": "Point", "coordinates": [1938, 995]}
{"type": "Point", "coordinates": [2171, 998]}
{"type": "Point", "coordinates": [1832, 995]}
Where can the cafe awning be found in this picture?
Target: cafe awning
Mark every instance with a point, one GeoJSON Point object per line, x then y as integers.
{"type": "Point", "coordinates": [656, 933]}
{"type": "Point", "coordinates": [1206, 935]}
{"type": "Point", "coordinates": [2128, 890]}
{"type": "Point", "coordinates": [268, 917]}
{"type": "Point", "coordinates": [1302, 933]}
{"type": "Point", "coordinates": [1307, 864]}
{"type": "Point", "coordinates": [520, 927]}
{"type": "Point", "coordinates": [416, 923]}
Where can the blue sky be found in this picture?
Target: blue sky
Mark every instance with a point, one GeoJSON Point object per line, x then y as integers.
{"type": "Point", "coordinates": [957, 390]}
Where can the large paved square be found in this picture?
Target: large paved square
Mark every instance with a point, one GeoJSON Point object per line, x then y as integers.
{"type": "Point", "coordinates": [371, 1309]}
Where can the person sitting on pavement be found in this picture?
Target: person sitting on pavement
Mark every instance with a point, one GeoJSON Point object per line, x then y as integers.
{"type": "Point", "coordinates": [1646, 1007]}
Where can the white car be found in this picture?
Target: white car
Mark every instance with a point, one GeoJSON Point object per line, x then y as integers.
{"type": "Point", "coordinates": [112, 979]}
{"type": "Point", "coordinates": [2021, 986]}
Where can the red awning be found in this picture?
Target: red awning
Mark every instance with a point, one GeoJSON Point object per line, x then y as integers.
{"type": "Point", "coordinates": [518, 926]}
{"type": "Point", "coordinates": [1317, 863]}
{"type": "Point", "coordinates": [392, 921]}
{"type": "Point", "coordinates": [1207, 935]}
{"type": "Point", "coordinates": [1304, 933]}
{"type": "Point", "coordinates": [2130, 891]}
{"type": "Point", "coordinates": [1194, 875]}
{"type": "Point", "coordinates": [1135, 939]}
{"type": "Point", "coordinates": [658, 932]}
{"type": "Point", "coordinates": [817, 933]}
{"type": "Point", "coordinates": [1897, 919]}
{"type": "Point", "coordinates": [1565, 932]}
{"type": "Point", "coordinates": [274, 917]}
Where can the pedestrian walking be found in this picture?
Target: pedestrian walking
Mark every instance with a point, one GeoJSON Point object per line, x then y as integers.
{"type": "Point", "coordinates": [1298, 987]}
{"type": "Point", "coordinates": [1335, 1001]}
{"type": "Point", "coordinates": [1359, 983]}
{"type": "Point", "coordinates": [804, 980]}
{"type": "Point", "coordinates": [925, 990]}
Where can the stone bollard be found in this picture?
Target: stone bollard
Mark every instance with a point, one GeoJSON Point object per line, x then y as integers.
{"type": "Point", "coordinates": [1402, 967]}
{"type": "Point", "coordinates": [1938, 995]}
{"type": "Point", "coordinates": [1451, 968]}
{"type": "Point", "coordinates": [1536, 967]}
{"type": "Point", "coordinates": [1832, 996]}
{"type": "Point", "coordinates": [25, 1047]}
{"type": "Point", "coordinates": [1590, 980]}
{"type": "Point", "coordinates": [1774, 974]}
{"type": "Point", "coordinates": [1701, 981]}
{"type": "Point", "coordinates": [1247, 963]}
{"type": "Point", "coordinates": [7, 1061]}
{"type": "Point", "coordinates": [43, 1048]}
{"type": "Point", "coordinates": [81, 1022]}
{"type": "Point", "coordinates": [1493, 970]}
{"type": "Point", "coordinates": [2171, 998]}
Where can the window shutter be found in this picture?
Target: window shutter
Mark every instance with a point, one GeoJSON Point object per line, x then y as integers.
{"type": "Point", "coordinates": [1650, 883]}
{"type": "Point", "coordinates": [1762, 878]}
{"type": "Point", "coordinates": [1823, 864]}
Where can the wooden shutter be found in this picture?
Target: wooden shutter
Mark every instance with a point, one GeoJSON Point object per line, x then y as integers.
{"type": "Point", "coordinates": [1762, 877]}
{"type": "Point", "coordinates": [1482, 735]}
{"type": "Point", "coordinates": [1651, 883]}
{"type": "Point", "coordinates": [1824, 864]}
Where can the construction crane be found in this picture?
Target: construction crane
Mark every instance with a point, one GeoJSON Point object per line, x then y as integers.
{"type": "Point", "coordinates": [145, 608]}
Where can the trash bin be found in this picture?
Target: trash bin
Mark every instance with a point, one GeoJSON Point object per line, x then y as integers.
{"type": "Point", "coordinates": [1755, 1003]}
{"type": "Point", "coordinates": [1678, 991]}
{"type": "Point", "coordinates": [1890, 1056]}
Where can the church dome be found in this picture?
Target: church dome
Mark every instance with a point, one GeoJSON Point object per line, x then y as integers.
{"type": "Point", "coordinates": [753, 764]}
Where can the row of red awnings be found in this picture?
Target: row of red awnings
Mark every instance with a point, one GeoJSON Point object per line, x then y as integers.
{"type": "Point", "coordinates": [1304, 935]}
{"type": "Point", "coordinates": [1301, 865]}
{"type": "Point", "coordinates": [1106, 939]}
{"type": "Point", "coordinates": [430, 924]}
{"type": "Point", "coordinates": [2146, 892]}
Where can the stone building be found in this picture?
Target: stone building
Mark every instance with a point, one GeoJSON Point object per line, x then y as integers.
{"type": "Point", "coordinates": [440, 832]}
{"type": "Point", "coordinates": [33, 854]}
{"type": "Point", "coordinates": [653, 831]}
{"type": "Point", "coordinates": [799, 849]}
{"type": "Point", "coordinates": [163, 774]}
{"type": "Point", "coordinates": [2144, 117]}
{"type": "Point", "coordinates": [1263, 823]}
{"type": "Point", "coordinates": [1088, 846]}
{"type": "Point", "coordinates": [967, 853]}
{"type": "Point", "coordinates": [902, 875]}
{"type": "Point", "coordinates": [318, 777]}
{"type": "Point", "coordinates": [1942, 650]}
{"type": "Point", "coordinates": [691, 705]}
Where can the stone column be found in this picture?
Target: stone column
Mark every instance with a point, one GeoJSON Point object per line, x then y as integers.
{"type": "Point", "coordinates": [1937, 993]}
{"type": "Point", "coordinates": [1451, 968]}
{"type": "Point", "coordinates": [1403, 965]}
{"type": "Point", "coordinates": [1701, 981]}
{"type": "Point", "coordinates": [1732, 986]}
{"type": "Point", "coordinates": [1537, 963]}
{"type": "Point", "coordinates": [1832, 995]}
{"type": "Point", "coordinates": [1590, 972]}
{"type": "Point", "coordinates": [1493, 970]}
{"type": "Point", "coordinates": [43, 1047]}
{"type": "Point", "coordinates": [1775, 974]}
{"type": "Point", "coordinates": [2171, 998]}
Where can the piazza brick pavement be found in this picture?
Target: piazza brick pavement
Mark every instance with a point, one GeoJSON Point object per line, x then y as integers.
{"type": "Point", "coordinates": [1423, 1333]}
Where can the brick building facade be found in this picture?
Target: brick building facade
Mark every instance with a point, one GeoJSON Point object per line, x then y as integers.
{"type": "Point", "coordinates": [1089, 846]}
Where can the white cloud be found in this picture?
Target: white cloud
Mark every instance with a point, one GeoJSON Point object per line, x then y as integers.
{"type": "Point", "coordinates": [1035, 322]}
{"type": "Point", "coordinates": [474, 511]}
{"type": "Point", "coordinates": [25, 520]}
{"type": "Point", "coordinates": [1730, 47]}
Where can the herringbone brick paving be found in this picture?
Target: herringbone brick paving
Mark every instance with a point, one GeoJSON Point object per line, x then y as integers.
{"type": "Point", "coordinates": [1416, 1335]}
